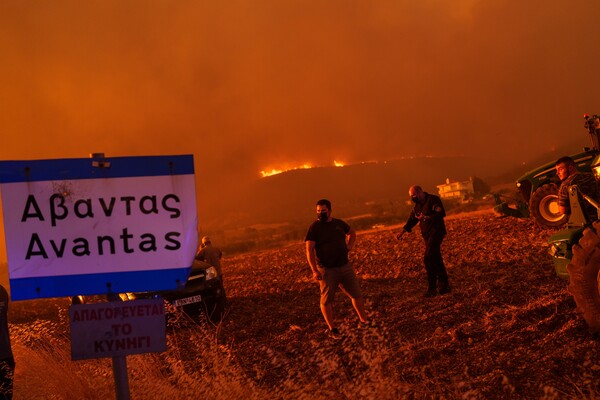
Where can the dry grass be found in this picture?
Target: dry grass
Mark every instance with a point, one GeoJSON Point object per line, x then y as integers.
{"type": "Point", "coordinates": [508, 330]}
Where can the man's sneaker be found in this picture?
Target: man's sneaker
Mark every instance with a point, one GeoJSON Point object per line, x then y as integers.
{"type": "Point", "coordinates": [366, 324]}
{"type": "Point", "coordinates": [445, 289]}
{"type": "Point", "coordinates": [430, 293]}
{"type": "Point", "coordinates": [333, 333]}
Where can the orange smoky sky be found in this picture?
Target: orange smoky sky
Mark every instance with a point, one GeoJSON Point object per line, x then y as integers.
{"type": "Point", "coordinates": [247, 86]}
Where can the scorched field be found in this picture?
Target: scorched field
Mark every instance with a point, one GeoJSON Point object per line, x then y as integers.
{"type": "Point", "coordinates": [508, 330]}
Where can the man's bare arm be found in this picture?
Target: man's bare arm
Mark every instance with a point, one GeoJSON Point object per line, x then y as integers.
{"type": "Point", "coordinates": [351, 236]}
{"type": "Point", "coordinates": [312, 259]}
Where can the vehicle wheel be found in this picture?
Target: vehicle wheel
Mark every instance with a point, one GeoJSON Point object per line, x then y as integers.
{"type": "Point", "coordinates": [583, 276]}
{"type": "Point", "coordinates": [543, 207]}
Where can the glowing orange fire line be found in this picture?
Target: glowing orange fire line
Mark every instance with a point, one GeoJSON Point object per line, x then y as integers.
{"type": "Point", "coordinates": [275, 171]}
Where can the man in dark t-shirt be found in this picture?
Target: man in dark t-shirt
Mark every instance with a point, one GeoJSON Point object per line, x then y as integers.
{"type": "Point", "coordinates": [328, 242]}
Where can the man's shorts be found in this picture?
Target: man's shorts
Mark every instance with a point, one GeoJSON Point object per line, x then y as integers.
{"type": "Point", "coordinates": [333, 277]}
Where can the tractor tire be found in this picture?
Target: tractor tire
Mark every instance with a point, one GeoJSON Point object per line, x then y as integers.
{"type": "Point", "coordinates": [583, 276]}
{"type": "Point", "coordinates": [543, 207]}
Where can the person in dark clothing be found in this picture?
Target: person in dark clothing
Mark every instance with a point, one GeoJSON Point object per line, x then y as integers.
{"type": "Point", "coordinates": [328, 242]}
{"type": "Point", "coordinates": [7, 362]}
{"type": "Point", "coordinates": [210, 254]}
{"type": "Point", "coordinates": [567, 172]}
{"type": "Point", "coordinates": [429, 213]}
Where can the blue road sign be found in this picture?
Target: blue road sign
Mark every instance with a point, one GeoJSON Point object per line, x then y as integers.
{"type": "Point", "coordinates": [98, 225]}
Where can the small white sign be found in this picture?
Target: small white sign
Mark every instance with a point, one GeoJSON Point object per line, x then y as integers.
{"type": "Point", "coordinates": [117, 328]}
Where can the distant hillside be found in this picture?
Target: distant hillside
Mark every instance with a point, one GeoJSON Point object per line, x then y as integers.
{"type": "Point", "coordinates": [291, 196]}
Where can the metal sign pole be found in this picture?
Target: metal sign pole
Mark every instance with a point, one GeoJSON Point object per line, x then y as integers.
{"type": "Point", "coordinates": [119, 362]}
{"type": "Point", "coordinates": [121, 379]}
{"type": "Point", "coordinates": [119, 366]}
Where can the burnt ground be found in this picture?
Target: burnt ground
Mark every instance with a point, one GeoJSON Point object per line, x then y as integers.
{"type": "Point", "coordinates": [509, 328]}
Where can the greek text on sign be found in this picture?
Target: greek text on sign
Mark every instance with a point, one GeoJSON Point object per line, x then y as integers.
{"type": "Point", "coordinates": [117, 328]}
{"type": "Point", "coordinates": [80, 226]}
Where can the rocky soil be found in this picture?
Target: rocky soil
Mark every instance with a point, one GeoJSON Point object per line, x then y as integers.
{"type": "Point", "coordinates": [509, 328]}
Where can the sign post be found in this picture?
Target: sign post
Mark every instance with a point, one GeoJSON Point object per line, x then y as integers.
{"type": "Point", "coordinates": [102, 226]}
{"type": "Point", "coordinates": [120, 374]}
{"type": "Point", "coordinates": [115, 329]}
{"type": "Point", "coordinates": [119, 365]}
{"type": "Point", "coordinates": [98, 226]}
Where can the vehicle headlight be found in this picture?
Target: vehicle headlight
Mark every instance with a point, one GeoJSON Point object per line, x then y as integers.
{"type": "Point", "coordinates": [596, 171]}
{"type": "Point", "coordinates": [211, 273]}
{"type": "Point", "coordinates": [518, 184]}
{"type": "Point", "coordinates": [127, 296]}
{"type": "Point", "coordinates": [558, 249]}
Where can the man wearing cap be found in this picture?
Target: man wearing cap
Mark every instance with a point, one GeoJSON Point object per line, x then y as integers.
{"type": "Point", "coordinates": [210, 254]}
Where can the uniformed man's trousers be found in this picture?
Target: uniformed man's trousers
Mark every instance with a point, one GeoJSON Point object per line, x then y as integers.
{"type": "Point", "coordinates": [434, 264]}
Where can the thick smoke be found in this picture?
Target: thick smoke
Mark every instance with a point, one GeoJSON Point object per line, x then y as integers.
{"type": "Point", "coordinates": [248, 86]}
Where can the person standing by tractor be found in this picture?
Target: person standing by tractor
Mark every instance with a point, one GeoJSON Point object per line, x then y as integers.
{"type": "Point", "coordinates": [328, 242]}
{"type": "Point", "coordinates": [586, 183]}
{"type": "Point", "coordinates": [429, 213]}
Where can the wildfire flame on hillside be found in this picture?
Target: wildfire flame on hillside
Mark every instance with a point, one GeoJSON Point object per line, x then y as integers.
{"type": "Point", "coordinates": [275, 171]}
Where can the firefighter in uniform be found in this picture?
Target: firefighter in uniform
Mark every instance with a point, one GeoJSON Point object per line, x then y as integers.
{"type": "Point", "coordinates": [429, 213]}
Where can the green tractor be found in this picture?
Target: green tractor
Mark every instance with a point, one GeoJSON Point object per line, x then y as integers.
{"type": "Point", "coordinates": [575, 250]}
{"type": "Point", "coordinates": [539, 187]}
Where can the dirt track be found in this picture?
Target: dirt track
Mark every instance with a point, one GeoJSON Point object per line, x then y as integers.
{"type": "Point", "coordinates": [509, 329]}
